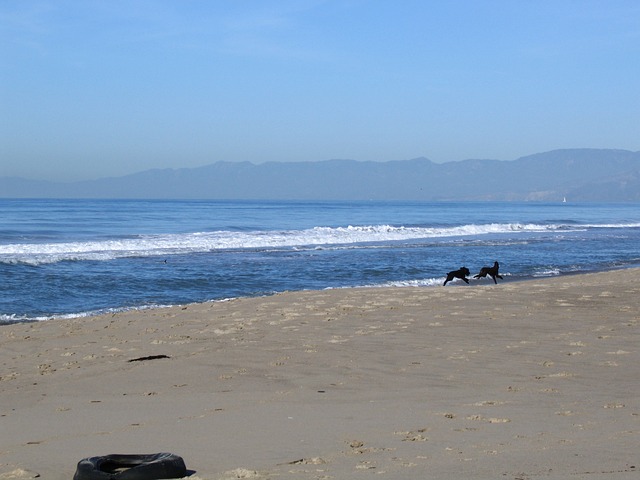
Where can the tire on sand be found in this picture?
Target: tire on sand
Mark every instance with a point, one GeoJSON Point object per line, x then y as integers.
{"type": "Point", "coordinates": [131, 467]}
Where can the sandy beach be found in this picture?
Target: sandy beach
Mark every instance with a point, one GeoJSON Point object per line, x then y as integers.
{"type": "Point", "coordinates": [534, 379]}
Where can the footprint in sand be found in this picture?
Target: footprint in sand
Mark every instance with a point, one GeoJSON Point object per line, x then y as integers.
{"type": "Point", "coordinates": [308, 461]}
{"type": "Point", "coordinates": [488, 420]}
{"type": "Point", "coordinates": [19, 473]}
{"type": "Point", "coordinates": [241, 473]}
{"type": "Point", "coordinates": [566, 413]}
{"type": "Point", "coordinates": [46, 369]}
{"type": "Point", "coordinates": [561, 375]}
{"type": "Point", "coordinates": [416, 436]}
{"type": "Point", "coordinates": [488, 403]}
{"type": "Point", "coordinates": [280, 362]}
{"type": "Point", "coordinates": [366, 465]}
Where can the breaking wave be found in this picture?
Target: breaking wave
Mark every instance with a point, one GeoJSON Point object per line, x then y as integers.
{"type": "Point", "coordinates": [317, 237]}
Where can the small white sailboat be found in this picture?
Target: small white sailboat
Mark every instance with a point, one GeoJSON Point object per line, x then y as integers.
{"type": "Point", "coordinates": [564, 199]}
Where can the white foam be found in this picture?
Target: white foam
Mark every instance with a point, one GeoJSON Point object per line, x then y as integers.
{"type": "Point", "coordinates": [4, 319]}
{"type": "Point", "coordinates": [550, 272]}
{"type": "Point", "coordinates": [426, 282]}
{"type": "Point", "coordinates": [318, 237]}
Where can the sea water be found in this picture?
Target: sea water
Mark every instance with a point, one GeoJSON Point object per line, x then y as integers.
{"type": "Point", "coordinates": [61, 258]}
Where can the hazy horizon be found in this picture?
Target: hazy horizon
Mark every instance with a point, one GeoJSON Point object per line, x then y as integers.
{"type": "Point", "coordinates": [257, 163]}
{"type": "Point", "coordinates": [99, 89]}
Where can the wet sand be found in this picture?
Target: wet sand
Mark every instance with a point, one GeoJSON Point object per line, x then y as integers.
{"type": "Point", "coordinates": [535, 379]}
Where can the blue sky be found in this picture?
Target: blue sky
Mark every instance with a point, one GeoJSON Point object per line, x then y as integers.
{"type": "Point", "coordinates": [92, 88]}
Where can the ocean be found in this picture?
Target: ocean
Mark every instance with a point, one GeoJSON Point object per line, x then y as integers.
{"type": "Point", "coordinates": [72, 258]}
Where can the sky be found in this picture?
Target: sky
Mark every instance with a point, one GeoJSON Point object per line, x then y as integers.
{"type": "Point", "coordinates": [94, 88]}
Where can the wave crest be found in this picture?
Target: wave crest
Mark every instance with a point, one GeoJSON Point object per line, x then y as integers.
{"type": "Point", "coordinates": [201, 242]}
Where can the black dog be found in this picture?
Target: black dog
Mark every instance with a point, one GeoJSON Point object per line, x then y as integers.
{"type": "Point", "coordinates": [461, 274]}
{"type": "Point", "coordinates": [491, 271]}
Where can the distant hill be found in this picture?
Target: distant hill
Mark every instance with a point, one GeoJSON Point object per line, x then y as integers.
{"type": "Point", "coordinates": [577, 174]}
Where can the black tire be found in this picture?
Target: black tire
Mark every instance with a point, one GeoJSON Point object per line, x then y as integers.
{"type": "Point", "coordinates": [131, 467]}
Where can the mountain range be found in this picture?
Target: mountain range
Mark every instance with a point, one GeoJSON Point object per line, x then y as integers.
{"type": "Point", "coordinates": [579, 175]}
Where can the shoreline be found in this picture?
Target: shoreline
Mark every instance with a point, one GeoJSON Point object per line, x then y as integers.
{"type": "Point", "coordinates": [515, 380]}
{"type": "Point", "coordinates": [474, 282]}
